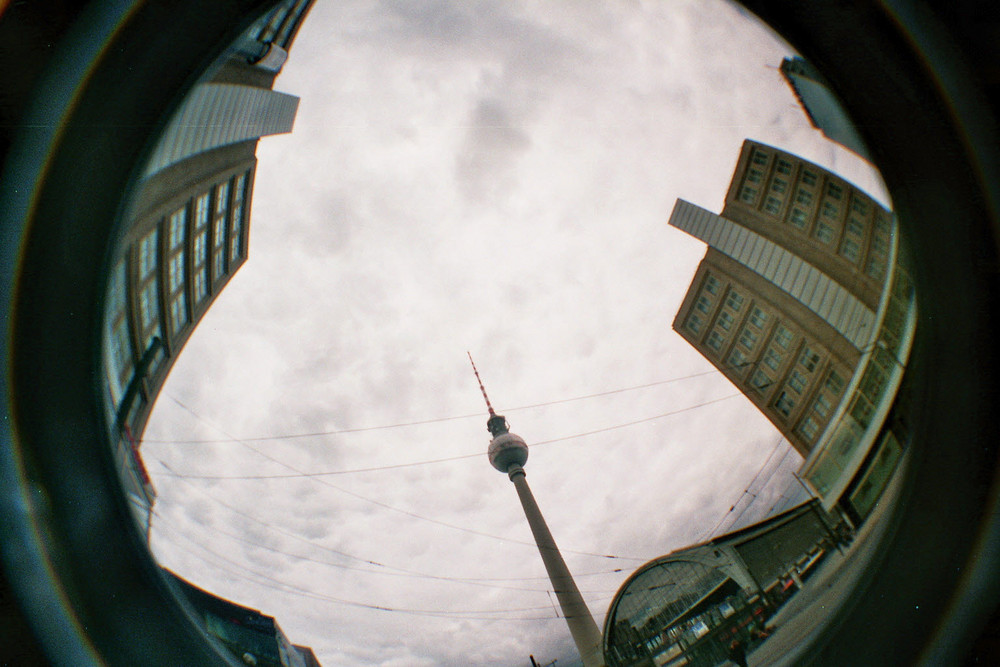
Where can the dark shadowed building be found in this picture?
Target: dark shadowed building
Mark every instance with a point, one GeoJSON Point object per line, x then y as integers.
{"type": "Point", "coordinates": [186, 229]}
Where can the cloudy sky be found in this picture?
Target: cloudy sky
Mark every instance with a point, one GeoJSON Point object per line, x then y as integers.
{"type": "Point", "coordinates": [493, 177]}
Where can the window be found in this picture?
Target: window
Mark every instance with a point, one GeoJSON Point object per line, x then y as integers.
{"type": "Point", "coordinates": [773, 205]}
{"type": "Point", "coordinates": [804, 197]}
{"type": "Point", "coordinates": [725, 321]}
{"type": "Point", "coordinates": [779, 185]}
{"type": "Point", "coordinates": [772, 359]}
{"type": "Point", "coordinates": [704, 304]}
{"type": "Point", "coordinates": [782, 337]}
{"type": "Point", "coordinates": [178, 312]}
{"type": "Point", "coordinates": [147, 254]}
{"type": "Point", "coordinates": [784, 167]}
{"type": "Point", "coordinates": [148, 305]}
{"type": "Point", "coordinates": [694, 323]}
{"type": "Point", "coordinates": [734, 300]}
{"type": "Point", "coordinates": [808, 177]}
{"type": "Point", "coordinates": [834, 383]}
{"type": "Point", "coordinates": [759, 157]}
{"type": "Point", "coordinates": [200, 248]}
{"type": "Point", "coordinates": [760, 381]}
{"type": "Point", "coordinates": [220, 264]}
{"type": "Point", "coordinates": [737, 359]}
{"type": "Point", "coordinates": [748, 339]}
{"type": "Point", "coordinates": [875, 268]}
{"type": "Point", "coordinates": [178, 223]}
{"type": "Point", "coordinates": [200, 286]}
{"type": "Point", "coordinates": [859, 206]}
{"type": "Point", "coordinates": [855, 227]}
{"type": "Point", "coordinates": [809, 359]}
{"type": "Point", "coordinates": [784, 404]}
{"type": "Point", "coordinates": [799, 218]}
{"type": "Point", "coordinates": [234, 248]}
{"type": "Point", "coordinates": [824, 232]}
{"type": "Point", "coordinates": [754, 175]}
{"type": "Point", "coordinates": [758, 317]}
{"type": "Point", "coordinates": [239, 184]}
{"type": "Point", "coordinates": [748, 195]}
{"type": "Point", "coordinates": [851, 250]}
{"type": "Point", "coordinates": [711, 284]}
{"type": "Point", "coordinates": [176, 272]}
{"type": "Point", "coordinates": [822, 405]}
{"type": "Point", "coordinates": [797, 381]}
{"type": "Point", "coordinates": [219, 233]}
{"type": "Point", "coordinates": [221, 198]}
{"type": "Point", "coordinates": [834, 191]}
{"type": "Point", "coordinates": [809, 428]}
{"type": "Point", "coordinates": [715, 340]}
{"type": "Point", "coordinates": [201, 211]}
{"type": "Point", "coordinates": [829, 210]}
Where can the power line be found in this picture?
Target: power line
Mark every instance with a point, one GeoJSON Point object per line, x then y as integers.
{"type": "Point", "coordinates": [285, 587]}
{"type": "Point", "coordinates": [712, 530]}
{"type": "Point", "coordinates": [756, 496]}
{"type": "Point", "coordinates": [397, 509]}
{"type": "Point", "coordinates": [293, 436]}
{"type": "Point", "coordinates": [399, 572]}
{"type": "Point", "coordinates": [447, 459]}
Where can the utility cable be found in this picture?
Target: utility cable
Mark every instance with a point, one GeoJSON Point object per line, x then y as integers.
{"type": "Point", "coordinates": [399, 572]}
{"type": "Point", "coordinates": [242, 570]}
{"type": "Point", "coordinates": [402, 511]}
{"type": "Point", "coordinates": [293, 436]}
{"type": "Point", "coordinates": [443, 460]}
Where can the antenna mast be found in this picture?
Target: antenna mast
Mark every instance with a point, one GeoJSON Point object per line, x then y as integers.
{"type": "Point", "coordinates": [481, 387]}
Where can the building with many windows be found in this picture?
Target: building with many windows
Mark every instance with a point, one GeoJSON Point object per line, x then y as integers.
{"type": "Point", "coordinates": [185, 231]}
{"type": "Point", "coordinates": [785, 300]}
{"type": "Point", "coordinates": [803, 303]}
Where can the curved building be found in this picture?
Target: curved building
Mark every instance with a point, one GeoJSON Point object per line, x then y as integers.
{"type": "Point", "coordinates": [686, 607]}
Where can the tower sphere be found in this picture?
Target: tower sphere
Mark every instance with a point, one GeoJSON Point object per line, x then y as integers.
{"type": "Point", "coordinates": [506, 450]}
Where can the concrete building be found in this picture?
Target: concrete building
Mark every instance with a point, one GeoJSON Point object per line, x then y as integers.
{"type": "Point", "coordinates": [803, 302]}
{"type": "Point", "coordinates": [786, 297]}
{"type": "Point", "coordinates": [684, 608]}
{"type": "Point", "coordinates": [251, 637]}
{"type": "Point", "coordinates": [184, 234]}
{"type": "Point", "coordinates": [821, 104]}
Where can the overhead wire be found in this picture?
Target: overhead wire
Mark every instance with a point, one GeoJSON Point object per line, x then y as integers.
{"type": "Point", "coordinates": [242, 571]}
{"type": "Point", "coordinates": [447, 459]}
{"type": "Point", "coordinates": [392, 508]}
{"type": "Point", "coordinates": [387, 571]}
{"type": "Point", "coordinates": [292, 436]}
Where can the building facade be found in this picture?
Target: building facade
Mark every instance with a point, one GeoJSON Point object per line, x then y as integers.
{"type": "Point", "coordinates": [251, 637]}
{"type": "Point", "coordinates": [685, 608]}
{"type": "Point", "coordinates": [185, 231]}
{"type": "Point", "coordinates": [800, 293]}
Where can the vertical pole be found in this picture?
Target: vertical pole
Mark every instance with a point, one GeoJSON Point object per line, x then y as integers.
{"type": "Point", "coordinates": [581, 624]}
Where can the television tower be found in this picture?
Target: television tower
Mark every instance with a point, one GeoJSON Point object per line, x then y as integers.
{"type": "Point", "coordinates": [508, 453]}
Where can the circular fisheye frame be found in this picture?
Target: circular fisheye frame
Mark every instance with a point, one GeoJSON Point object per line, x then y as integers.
{"type": "Point", "coordinates": [76, 574]}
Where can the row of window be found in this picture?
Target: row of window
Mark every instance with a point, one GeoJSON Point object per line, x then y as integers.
{"type": "Point", "coordinates": [825, 226]}
{"type": "Point", "coordinates": [778, 345]}
{"type": "Point", "coordinates": [183, 278]}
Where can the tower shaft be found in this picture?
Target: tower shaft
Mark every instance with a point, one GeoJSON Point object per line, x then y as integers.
{"type": "Point", "coordinates": [581, 624]}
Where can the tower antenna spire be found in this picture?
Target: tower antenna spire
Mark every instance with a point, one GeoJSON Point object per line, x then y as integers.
{"type": "Point", "coordinates": [481, 387]}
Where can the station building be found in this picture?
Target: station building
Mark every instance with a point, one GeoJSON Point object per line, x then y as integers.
{"type": "Point", "coordinates": [685, 608]}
